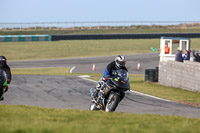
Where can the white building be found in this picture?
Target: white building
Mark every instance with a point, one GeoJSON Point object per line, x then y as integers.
{"type": "Point", "coordinates": [170, 45]}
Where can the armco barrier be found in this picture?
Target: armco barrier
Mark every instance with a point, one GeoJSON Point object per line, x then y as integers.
{"type": "Point", "coordinates": [23, 38]}
{"type": "Point", "coordinates": [123, 36]}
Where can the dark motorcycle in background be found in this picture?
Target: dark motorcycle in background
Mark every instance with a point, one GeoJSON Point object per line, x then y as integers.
{"type": "Point", "coordinates": [112, 93]}
{"type": "Point", "coordinates": [3, 83]}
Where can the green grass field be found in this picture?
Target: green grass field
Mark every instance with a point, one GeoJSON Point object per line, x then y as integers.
{"type": "Point", "coordinates": [27, 119]}
{"type": "Point", "coordinates": [75, 48]}
{"type": "Point", "coordinates": [41, 71]}
{"type": "Point", "coordinates": [79, 48]}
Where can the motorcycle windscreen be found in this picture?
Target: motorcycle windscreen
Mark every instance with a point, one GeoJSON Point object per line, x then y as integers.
{"type": "Point", "coordinates": [121, 79]}
{"type": "Point", "coordinates": [2, 78]}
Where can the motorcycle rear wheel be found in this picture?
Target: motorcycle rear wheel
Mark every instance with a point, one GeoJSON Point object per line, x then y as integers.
{"type": "Point", "coordinates": [113, 103]}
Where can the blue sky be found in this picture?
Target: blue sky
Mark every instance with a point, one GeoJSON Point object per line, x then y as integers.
{"type": "Point", "coordinates": [98, 10]}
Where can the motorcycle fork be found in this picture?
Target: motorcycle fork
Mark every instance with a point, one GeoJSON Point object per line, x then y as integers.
{"type": "Point", "coordinates": [111, 97]}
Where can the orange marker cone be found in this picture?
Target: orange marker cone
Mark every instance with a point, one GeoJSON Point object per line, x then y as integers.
{"type": "Point", "coordinates": [138, 66]}
{"type": "Point", "coordinates": [93, 67]}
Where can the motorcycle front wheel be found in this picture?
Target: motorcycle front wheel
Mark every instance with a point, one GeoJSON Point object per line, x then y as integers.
{"type": "Point", "coordinates": [93, 107]}
{"type": "Point", "coordinates": [112, 103]}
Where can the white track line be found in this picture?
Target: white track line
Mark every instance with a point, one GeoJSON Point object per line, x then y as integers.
{"type": "Point", "coordinates": [85, 77]}
{"type": "Point", "coordinates": [149, 96]}
{"type": "Point", "coordinates": [72, 69]}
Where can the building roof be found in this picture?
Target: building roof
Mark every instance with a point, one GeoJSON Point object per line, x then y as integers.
{"type": "Point", "coordinates": [174, 38]}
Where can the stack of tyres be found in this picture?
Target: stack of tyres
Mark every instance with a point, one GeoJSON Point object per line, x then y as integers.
{"type": "Point", "coordinates": [151, 75]}
{"type": "Point", "coordinates": [146, 75]}
{"type": "Point", "coordinates": [156, 75]}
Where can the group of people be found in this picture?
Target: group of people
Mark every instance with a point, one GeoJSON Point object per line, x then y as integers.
{"type": "Point", "coordinates": [4, 66]}
{"type": "Point", "coordinates": [180, 57]}
{"type": "Point", "coordinates": [186, 56]}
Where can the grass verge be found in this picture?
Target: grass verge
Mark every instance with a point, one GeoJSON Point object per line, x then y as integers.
{"type": "Point", "coordinates": [136, 81]}
{"type": "Point", "coordinates": [103, 31]}
{"type": "Point", "coordinates": [74, 48]}
{"type": "Point", "coordinates": [170, 93]}
{"type": "Point", "coordinates": [41, 71]}
{"type": "Point", "coordinates": [79, 48]}
{"type": "Point", "coordinates": [27, 119]}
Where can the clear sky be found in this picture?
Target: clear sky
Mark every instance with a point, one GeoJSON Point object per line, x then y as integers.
{"type": "Point", "coordinates": [12, 11]}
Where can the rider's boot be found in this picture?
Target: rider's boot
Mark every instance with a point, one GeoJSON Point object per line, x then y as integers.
{"type": "Point", "coordinates": [6, 89]}
{"type": "Point", "coordinates": [2, 98]}
{"type": "Point", "coordinates": [98, 87]}
{"type": "Point", "coordinates": [95, 95]}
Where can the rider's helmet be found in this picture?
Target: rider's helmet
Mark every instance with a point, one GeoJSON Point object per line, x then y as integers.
{"type": "Point", "coordinates": [120, 61]}
{"type": "Point", "coordinates": [3, 60]}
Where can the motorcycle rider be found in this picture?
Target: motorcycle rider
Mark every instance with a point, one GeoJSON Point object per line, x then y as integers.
{"type": "Point", "coordinates": [118, 63]}
{"type": "Point", "coordinates": [6, 68]}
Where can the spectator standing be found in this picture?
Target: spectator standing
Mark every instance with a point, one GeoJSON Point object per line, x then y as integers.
{"type": "Point", "coordinates": [167, 49]}
{"type": "Point", "coordinates": [186, 55]}
{"type": "Point", "coordinates": [179, 56]}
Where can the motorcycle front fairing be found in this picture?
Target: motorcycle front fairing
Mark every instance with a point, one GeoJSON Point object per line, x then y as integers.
{"type": "Point", "coordinates": [119, 82]}
{"type": "Point", "coordinates": [3, 78]}
{"type": "Point", "coordinates": [120, 78]}
{"type": "Point", "coordinates": [3, 82]}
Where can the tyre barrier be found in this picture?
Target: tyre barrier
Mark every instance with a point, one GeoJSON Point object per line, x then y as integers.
{"type": "Point", "coordinates": [151, 75]}
{"type": "Point", "coordinates": [14, 38]}
{"type": "Point", "coordinates": [23, 38]}
{"type": "Point", "coordinates": [123, 36]}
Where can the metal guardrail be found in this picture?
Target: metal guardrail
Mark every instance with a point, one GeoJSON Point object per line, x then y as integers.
{"type": "Point", "coordinates": [97, 25]}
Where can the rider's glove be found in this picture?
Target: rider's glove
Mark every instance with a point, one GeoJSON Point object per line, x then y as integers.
{"type": "Point", "coordinates": [104, 79]}
{"type": "Point", "coordinates": [7, 87]}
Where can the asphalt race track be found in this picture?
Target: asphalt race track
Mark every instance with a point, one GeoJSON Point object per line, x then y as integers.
{"type": "Point", "coordinates": [72, 92]}
{"type": "Point", "coordinates": [84, 65]}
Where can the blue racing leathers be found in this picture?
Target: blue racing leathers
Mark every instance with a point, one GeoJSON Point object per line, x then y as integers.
{"type": "Point", "coordinates": [109, 69]}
